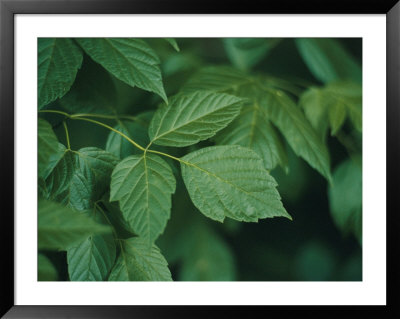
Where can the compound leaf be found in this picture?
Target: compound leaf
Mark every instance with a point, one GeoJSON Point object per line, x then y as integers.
{"type": "Point", "coordinates": [231, 181]}
{"type": "Point", "coordinates": [47, 145]}
{"type": "Point", "coordinates": [60, 227]}
{"type": "Point", "coordinates": [139, 263]}
{"type": "Point", "coordinates": [194, 117]}
{"type": "Point", "coordinates": [143, 185]}
{"type": "Point", "coordinates": [58, 62]}
{"type": "Point", "coordinates": [130, 60]}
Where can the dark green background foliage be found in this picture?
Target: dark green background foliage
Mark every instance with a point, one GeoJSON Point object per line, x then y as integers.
{"type": "Point", "coordinates": [166, 159]}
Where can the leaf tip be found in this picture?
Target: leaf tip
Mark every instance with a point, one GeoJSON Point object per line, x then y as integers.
{"type": "Point", "coordinates": [329, 178]}
{"type": "Point", "coordinates": [164, 97]}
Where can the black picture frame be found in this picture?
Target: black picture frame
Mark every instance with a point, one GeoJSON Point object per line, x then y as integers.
{"type": "Point", "coordinates": [8, 10]}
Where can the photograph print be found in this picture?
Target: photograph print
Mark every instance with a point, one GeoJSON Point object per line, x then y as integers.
{"type": "Point", "coordinates": [199, 159]}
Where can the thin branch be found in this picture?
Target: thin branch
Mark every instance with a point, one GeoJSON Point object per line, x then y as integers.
{"type": "Point", "coordinates": [111, 129]}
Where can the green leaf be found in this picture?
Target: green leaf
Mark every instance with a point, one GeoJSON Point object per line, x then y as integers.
{"type": "Point", "coordinates": [191, 118]}
{"type": "Point", "coordinates": [129, 60]}
{"type": "Point", "coordinates": [315, 261]}
{"type": "Point", "coordinates": [350, 95]}
{"type": "Point", "coordinates": [313, 101]}
{"type": "Point", "coordinates": [230, 181]}
{"type": "Point", "coordinates": [327, 60]}
{"type": "Point", "coordinates": [345, 198]}
{"type": "Point", "coordinates": [68, 186]}
{"type": "Point", "coordinates": [58, 62]}
{"type": "Point", "coordinates": [92, 92]}
{"type": "Point", "coordinates": [252, 129]}
{"type": "Point", "coordinates": [80, 177]}
{"type": "Point", "coordinates": [207, 258]}
{"type": "Point", "coordinates": [54, 160]}
{"type": "Point", "coordinates": [139, 263]}
{"type": "Point", "coordinates": [46, 269]}
{"type": "Point", "coordinates": [42, 188]}
{"type": "Point", "coordinates": [330, 105]}
{"type": "Point", "coordinates": [136, 130]}
{"type": "Point", "coordinates": [217, 79]}
{"type": "Point", "coordinates": [116, 218]}
{"type": "Point", "coordinates": [337, 116]}
{"type": "Point", "coordinates": [173, 43]}
{"type": "Point", "coordinates": [143, 185]}
{"type": "Point", "coordinates": [47, 145]}
{"type": "Point", "coordinates": [245, 53]}
{"type": "Point", "coordinates": [96, 162]}
{"type": "Point", "coordinates": [225, 79]}
{"type": "Point", "coordinates": [60, 227]}
{"type": "Point", "coordinates": [92, 259]}
{"type": "Point", "coordinates": [178, 66]}
{"type": "Point", "coordinates": [305, 142]}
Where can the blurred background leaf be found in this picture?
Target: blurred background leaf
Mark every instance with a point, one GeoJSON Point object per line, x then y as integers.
{"type": "Point", "coordinates": [345, 198]}
{"type": "Point", "coordinates": [246, 53]}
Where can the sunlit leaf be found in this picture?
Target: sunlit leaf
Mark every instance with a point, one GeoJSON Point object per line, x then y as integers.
{"type": "Point", "coordinates": [143, 185]}
{"type": "Point", "coordinates": [231, 181]}
{"type": "Point", "coordinates": [194, 117]}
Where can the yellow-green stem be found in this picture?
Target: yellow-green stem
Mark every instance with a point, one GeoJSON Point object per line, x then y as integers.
{"type": "Point", "coordinates": [167, 155]}
{"type": "Point", "coordinates": [111, 129]}
{"type": "Point", "coordinates": [79, 117]}
{"type": "Point", "coordinates": [66, 135]}
{"type": "Point", "coordinates": [55, 112]}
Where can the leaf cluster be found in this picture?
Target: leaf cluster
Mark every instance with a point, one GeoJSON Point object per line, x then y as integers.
{"type": "Point", "coordinates": [219, 135]}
